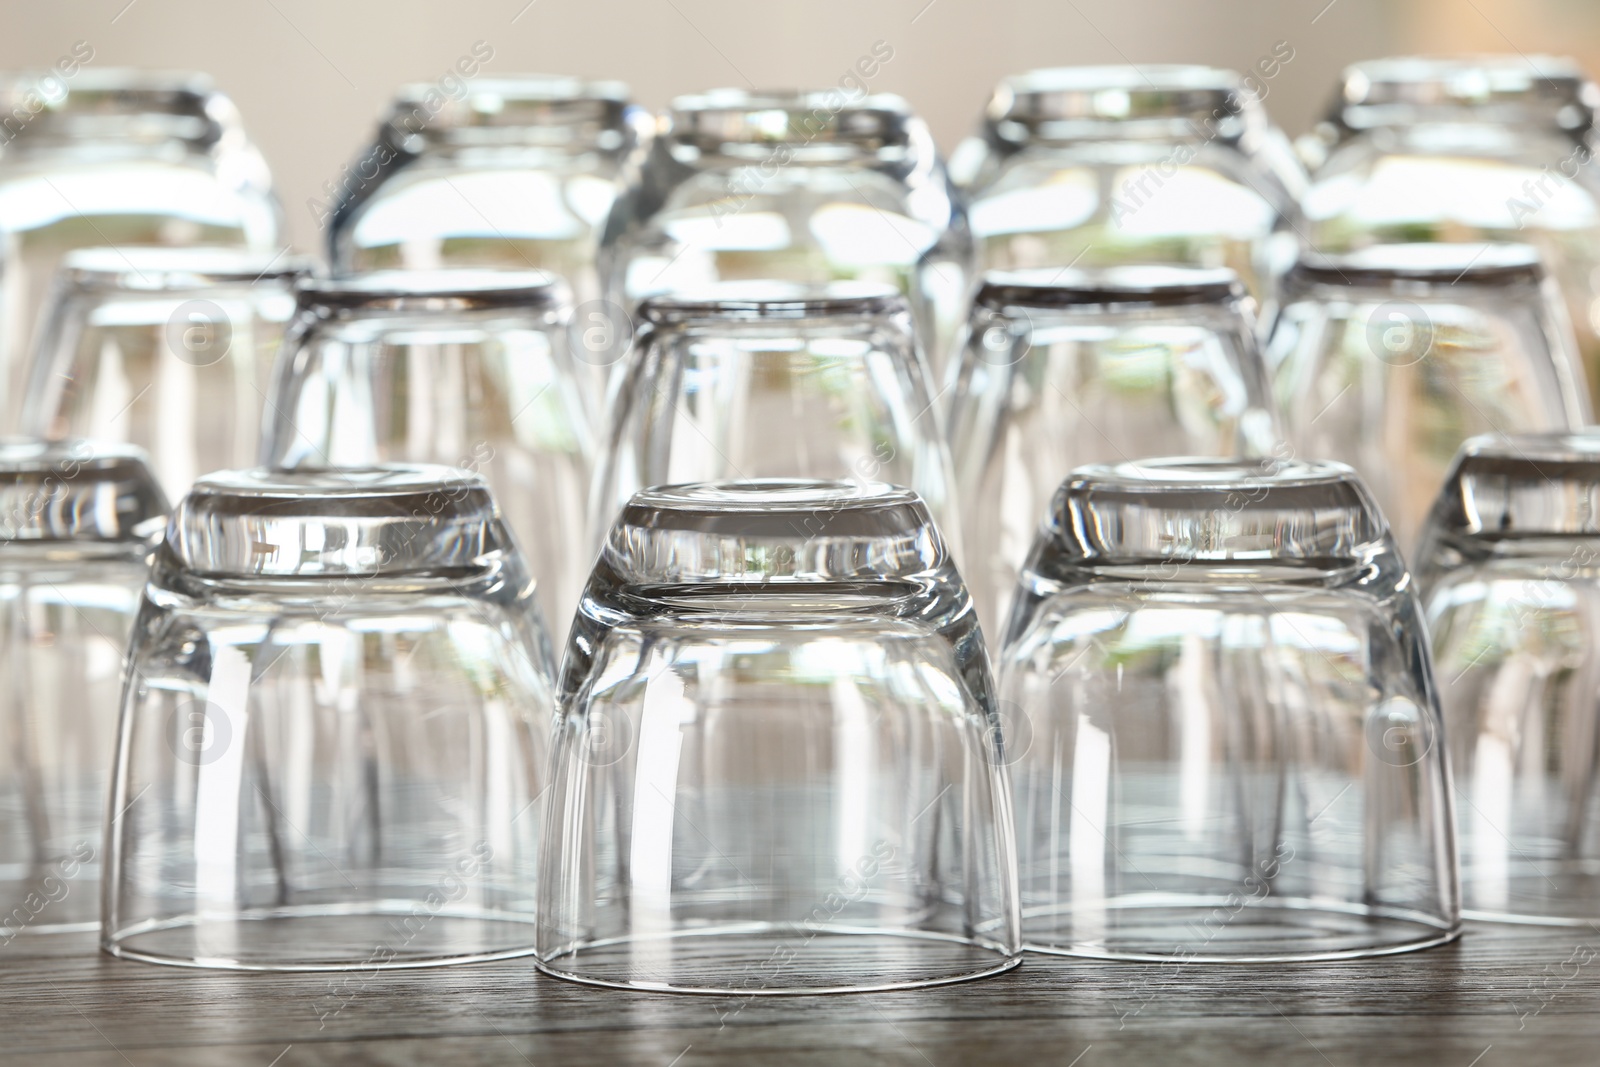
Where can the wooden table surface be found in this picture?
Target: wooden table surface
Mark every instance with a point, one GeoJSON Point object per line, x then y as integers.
{"type": "Point", "coordinates": [1501, 995]}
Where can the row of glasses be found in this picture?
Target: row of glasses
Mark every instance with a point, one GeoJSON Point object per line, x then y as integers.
{"type": "Point", "coordinates": [780, 764]}
{"type": "Point", "coordinates": [1396, 350]}
{"type": "Point", "coordinates": [1215, 709]}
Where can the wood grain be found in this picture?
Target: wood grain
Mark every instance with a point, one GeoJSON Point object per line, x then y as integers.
{"type": "Point", "coordinates": [1502, 995]}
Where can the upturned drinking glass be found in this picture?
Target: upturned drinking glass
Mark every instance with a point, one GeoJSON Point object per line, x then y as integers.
{"type": "Point", "coordinates": [1103, 166]}
{"type": "Point", "coordinates": [1483, 148]}
{"type": "Point", "coordinates": [1224, 733]}
{"type": "Point", "coordinates": [1062, 368]}
{"type": "Point", "coordinates": [77, 524]}
{"type": "Point", "coordinates": [115, 157]}
{"type": "Point", "coordinates": [767, 380]}
{"type": "Point", "coordinates": [1510, 575]}
{"type": "Point", "coordinates": [168, 349]}
{"type": "Point", "coordinates": [1389, 358]}
{"type": "Point", "coordinates": [777, 767]}
{"type": "Point", "coordinates": [809, 187]}
{"type": "Point", "coordinates": [516, 173]}
{"type": "Point", "coordinates": [333, 733]}
{"type": "Point", "coordinates": [469, 368]}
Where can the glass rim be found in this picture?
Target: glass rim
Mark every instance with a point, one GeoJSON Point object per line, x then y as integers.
{"type": "Point", "coordinates": [217, 530]}
{"type": "Point", "coordinates": [166, 88]}
{"type": "Point", "coordinates": [520, 88]}
{"type": "Point", "coordinates": [777, 117]}
{"type": "Point", "coordinates": [1464, 79]}
{"type": "Point", "coordinates": [1188, 474]}
{"type": "Point", "coordinates": [1214, 511]}
{"type": "Point", "coordinates": [772, 300]}
{"type": "Point", "coordinates": [1114, 92]}
{"type": "Point", "coordinates": [758, 507]}
{"type": "Point", "coordinates": [53, 476]}
{"type": "Point", "coordinates": [1149, 285]}
{"type": "Point", "coordinates": [1554, 476]}
{"type": "Point", "coordinates": [161, 269]}
{"type": "Point", "coordinates": [463, 288]}
{"type": "Point", "coordinates": [1428, 262]}
{"type": "Point", "coordinates": [375, 483]}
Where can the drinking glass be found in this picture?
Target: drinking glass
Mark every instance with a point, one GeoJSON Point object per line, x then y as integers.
{"type": "Point", "coordinates": [1510, 576]}
{"type": "Point", "coordinates": [77, 523]}
{"type": "Point", "coordinates": [809, 187]}
{"type": "Point", "coordinates": [168, 349]}
{"type": "Point", "coordinates": [767, 380]}
{"type": "Point", "coordinates": [464, 367]}
{"type": "Point", "coordinates": [777, 766]}
{"type": "Point", "coordinates": [514, 173]}
{"type": "Point", "coordinates": [1389, 358]}
{"type": "Point", "coordinates": [1104, 166]}
{"type": "Point", "coordinates": [1062, 368]}
{"type": "Point", "coordinates": [333, 730]}
{"type": "Point", "coordinates": [1225, 733]}
{"type": "Point", "coordinates": [98, 156]}
{"type": "Point", "coordinates": [1482, 148]}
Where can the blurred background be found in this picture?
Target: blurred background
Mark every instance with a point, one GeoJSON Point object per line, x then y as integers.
{"type": "Point", "coordinates": [311, 76]}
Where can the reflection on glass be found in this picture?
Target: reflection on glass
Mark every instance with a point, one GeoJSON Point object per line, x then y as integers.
{"type": "Point", "coordinates": [1221, 714]}
{"type": "Point", "coordinates": [116, 157]}
{"type": "Point", "coordinates": [1488, 148]}
{"type": "Point", "coordinates": [1100, 166]}
{"type": "Point", "coordinates": [1062, 368]}
{"type": "Point", "coordinates": [799, 187]}
{"type": "Point", "coordinates": [168, 349]}
{"type": "Point", "coordinates": [1510, 572]}
{"type": "Point", "coordinates": [753, 380]}
{"type": "Point", "coordinates": [468, 368]}
{"type": "Point", "coordinates": [333, 734]}
{"type": "Point", "coordinates": [1389, 358]}
{"type": "Point", "coordinates": [777, 768]}
{"type": "Point", "coordinates": [77, 523]}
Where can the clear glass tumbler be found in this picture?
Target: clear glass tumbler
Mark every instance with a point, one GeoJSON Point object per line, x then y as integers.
{"type": "Point", "coordinates": [168, 349]}
{"type": "Point", "coordinates": [101, 156]}
{"type": "Point", "coordinates": [77, 524]}
{"type": "Point", "coordinates": [334, 729]}
{"type": "Point", "coordinates": [1481, 148]}
{"type": "Point", "coordinates": [1225, 737]}
{"type": "Point", "coordinates": [1389, 358]}
{"type": "Point", "coordinates": [809, 187]}
{"type": "Point", "coordinates": [778, 767]}
{"type": "Point", "coordinates": [1106, 166]}
{"type": "Point", "coordinates": [1062, 368]}
{"type": "Point", "coordinates": [469, 368]}
{"type": "Point", "coordinates": [514, 173]}
{"type": "Point", "coordinates": [764, 380]}
{"type": "Point", "coordinates": [1510, 576]}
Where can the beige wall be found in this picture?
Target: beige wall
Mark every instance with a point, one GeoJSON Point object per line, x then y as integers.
{"type": "Point", "coordinates": [312, 75]}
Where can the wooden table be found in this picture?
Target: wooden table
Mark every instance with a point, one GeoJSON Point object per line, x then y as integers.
{"type": "Point", "coordinates": [1500, 996]}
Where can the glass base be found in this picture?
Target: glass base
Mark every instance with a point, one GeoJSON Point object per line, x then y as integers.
{"type": "Point", "coordinates": [1211, 930]}
{"type": "Point", "coordinates": [780, 960]}
{"type": "Point", "coordinates": [373, 937]}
